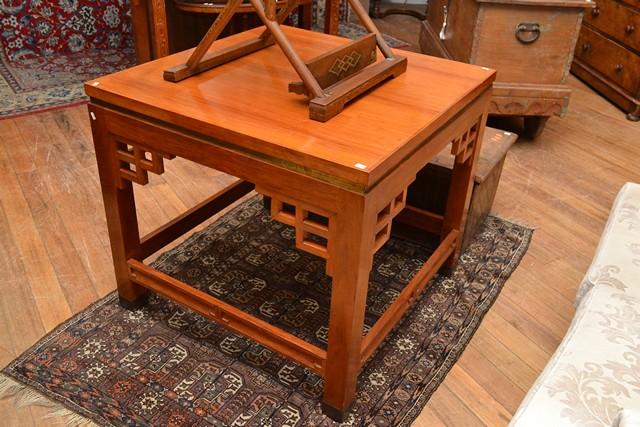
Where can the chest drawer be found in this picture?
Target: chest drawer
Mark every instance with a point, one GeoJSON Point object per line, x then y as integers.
{"type": "Point", "coordinates": [617, 20]}
{"type": "Point", "coordinates": [618, 64]}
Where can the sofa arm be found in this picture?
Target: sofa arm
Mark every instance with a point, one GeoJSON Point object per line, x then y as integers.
{"type": "Point", "coordinates": [594, 371]}
{"type": "Point", "coordinates": [628, 417]}
{"type": "Point", "coordinates": [616, 262]}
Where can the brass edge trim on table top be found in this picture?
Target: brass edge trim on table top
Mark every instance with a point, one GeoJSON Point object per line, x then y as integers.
{"type": "Point", "coordinates": [274, 161]}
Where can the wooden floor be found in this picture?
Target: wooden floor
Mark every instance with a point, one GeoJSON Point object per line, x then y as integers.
{"type": "Point", "coordinates": [55, 260]}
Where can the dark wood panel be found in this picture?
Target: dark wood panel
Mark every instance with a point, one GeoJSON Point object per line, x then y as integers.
{"type": "Point", "coordinates": [611, 59]}
{"type": "Point", "coordinates": [617, 20]}
{"type": "Point", "coordinates": [608, 89]}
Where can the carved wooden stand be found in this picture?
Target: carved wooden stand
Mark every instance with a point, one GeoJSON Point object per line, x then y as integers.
{"type": "Point", "coordinates": [331, 79]}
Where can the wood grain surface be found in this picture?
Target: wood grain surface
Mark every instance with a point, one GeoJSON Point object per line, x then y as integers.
{"type": "Point", "coordinates": [276, 123]}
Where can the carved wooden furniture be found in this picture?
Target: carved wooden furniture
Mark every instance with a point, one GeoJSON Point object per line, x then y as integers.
{"type": "Point", "coordinates": [376, 11]}
{"type": "Point", "coordinates": [430, 190]}
{"type": "Point", "coordinates": [352, 171]}
{"type": "Point", "coordinates": [331, 79]}
{"type": "Point", "coordinates": [608, 53]}
{"type": "Point", "coordinates": [529, 42]}
{"type": "Point", "coordinates": [162, 27]}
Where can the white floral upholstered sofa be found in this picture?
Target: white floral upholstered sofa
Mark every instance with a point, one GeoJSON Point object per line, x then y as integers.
{"type": "Point", "coordinates": [593, 379]}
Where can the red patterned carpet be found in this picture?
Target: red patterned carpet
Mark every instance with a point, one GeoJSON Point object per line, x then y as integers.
{"type": "Point", "coordinates": [47, 49]}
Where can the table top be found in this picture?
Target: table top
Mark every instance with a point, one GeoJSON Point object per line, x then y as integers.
{"type": "Point", "coordinates": [246, 103]}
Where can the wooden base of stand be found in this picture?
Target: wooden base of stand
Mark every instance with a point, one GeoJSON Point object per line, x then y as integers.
{"type": "Point", "coordinates": [214, 59]}
{"type": "Point", "coordinates": [323, 108]}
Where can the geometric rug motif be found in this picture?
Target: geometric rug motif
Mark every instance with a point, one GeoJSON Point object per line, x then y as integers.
{"type": "Point", "coordinates": [37, 28]}
{"type": "Point", "coordinates": [163, 365]}
{"type": "Point", "coordinates": [49, 48]}
{"type": "Point", "coordinates": [33, 84]}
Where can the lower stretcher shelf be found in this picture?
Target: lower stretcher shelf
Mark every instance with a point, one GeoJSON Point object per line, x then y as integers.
{"type": "Point", "coordinates": [269, 291]}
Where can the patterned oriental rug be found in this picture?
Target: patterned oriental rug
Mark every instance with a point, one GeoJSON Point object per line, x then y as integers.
{"type": "Point", "coordinates": [48, 48]}
{"type": "Point", "coordinates": [38, 84]}
{"type": "Point", "coordinates": [165, 366]}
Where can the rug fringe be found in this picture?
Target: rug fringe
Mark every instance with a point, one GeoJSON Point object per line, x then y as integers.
{"type": "Point", "coordinates": [24, 395]}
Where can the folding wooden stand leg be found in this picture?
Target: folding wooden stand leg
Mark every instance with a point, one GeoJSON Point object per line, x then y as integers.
{"type": "Point", "coordinates": [331, 80]}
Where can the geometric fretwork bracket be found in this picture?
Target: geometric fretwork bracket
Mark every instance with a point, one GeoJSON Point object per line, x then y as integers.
{"type": "Point", "coordinates": [135, 162]}
{"type": "Point", "coordinates": [385, 217]}
{"type": "Point", "coordinates": [313, 227]}
{"type": "Point", "coordinates": [462, 147]}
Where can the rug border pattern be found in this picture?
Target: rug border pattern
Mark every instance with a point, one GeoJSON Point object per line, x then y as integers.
{"type": "Point", "coordinates": [452, 357]}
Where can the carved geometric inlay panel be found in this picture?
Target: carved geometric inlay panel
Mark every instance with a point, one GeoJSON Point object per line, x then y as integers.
{"type": "Point", "coordinates": [462, 146]}
{"type": "Point", "coordinates": [345, 64]}
{"type": "Point", "coordinates": [135, 162]}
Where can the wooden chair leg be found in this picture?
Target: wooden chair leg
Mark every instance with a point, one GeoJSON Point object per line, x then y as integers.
{"type": "Point", "coordinates": [460, 190]}
{"type": "Point", "coordinates": [331, 16]}
{"type": "Point", "coordinates": [305, 16]}
{"type": "Point", "coordinates": [353, 241]}
{"type": "Point", "coordinates": [120, 208]}
{"type": "Point", "coordinates": [141, 31]}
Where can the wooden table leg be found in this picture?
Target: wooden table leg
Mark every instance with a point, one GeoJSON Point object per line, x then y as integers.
{"type": "Point", "coordinates": [461, 186]}
{"type": "Point", "coordinates": [120, 208]}
{"type": "Point", "coordinates": [352, 257]}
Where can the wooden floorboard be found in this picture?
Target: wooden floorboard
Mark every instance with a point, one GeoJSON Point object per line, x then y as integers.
{"type": "Point", "coordinates": [54, 251]}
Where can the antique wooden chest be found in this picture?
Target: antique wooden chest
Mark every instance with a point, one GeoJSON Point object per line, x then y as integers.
{"type": "Point", "coordinates": [608, 53]}
{"type": "Point", "coordinates": [529, 42]}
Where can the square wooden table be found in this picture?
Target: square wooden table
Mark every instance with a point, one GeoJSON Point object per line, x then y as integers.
{"type": "Point", "coordinates": [353, 171]}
